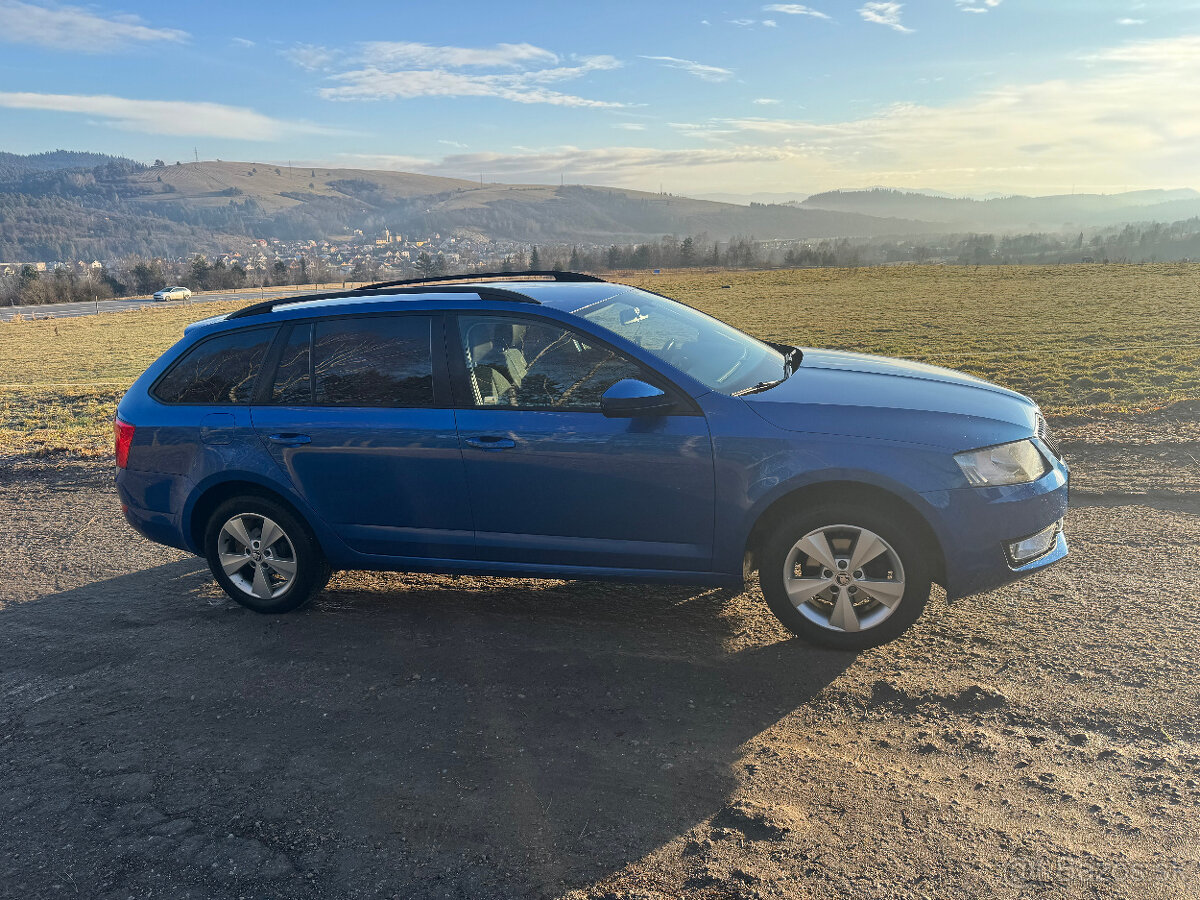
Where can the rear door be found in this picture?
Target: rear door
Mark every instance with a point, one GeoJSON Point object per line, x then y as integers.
{"type": "Point", "coordinates": [551, 479]}
{"type": "Point", "coordinates": [357, 414]}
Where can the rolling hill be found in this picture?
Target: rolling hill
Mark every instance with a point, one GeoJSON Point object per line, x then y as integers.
{"type": "Point", "coordinates": [59, 211]}
{"type": "Point", "coordinates": [327, 200]}
{"type": "Point", "coordinates": [1014, 213]}
{"type": "Point", "coordinates": [70, 205]}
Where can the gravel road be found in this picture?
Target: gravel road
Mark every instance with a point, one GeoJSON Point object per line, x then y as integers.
{"type": "Point", "coordinates": [415, 736]}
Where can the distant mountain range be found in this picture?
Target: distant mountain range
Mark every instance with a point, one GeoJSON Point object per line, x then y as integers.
{"type": "Point", "coordinates": [760, 197]}
{"type": "Point", "coordinates": [1014, 213]}
{"type": "Point", "coordinates": [70, 205]}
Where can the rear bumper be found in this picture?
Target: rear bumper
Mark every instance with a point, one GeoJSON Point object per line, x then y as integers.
{"type": "Point", "coordinates": [151, 503]}
{"type": "Point", "coordinates": [977, 525]}
{"type": "Point", "coordinates": [157, 527]}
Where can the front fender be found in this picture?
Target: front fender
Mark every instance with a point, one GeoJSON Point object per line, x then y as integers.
{"type": "Point", "coordinates": [750, 482]}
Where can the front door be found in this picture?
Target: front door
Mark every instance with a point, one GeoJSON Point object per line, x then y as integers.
{"type": "Point", "coordinates": [356, 418]}
{"type": "Point", "coordinates": [551, 479]}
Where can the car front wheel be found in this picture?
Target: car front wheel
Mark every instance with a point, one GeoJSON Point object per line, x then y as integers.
{"type": "Point", "coordinates": [263, 555]}
{"type": "Point", "coordinates": [845, 575]}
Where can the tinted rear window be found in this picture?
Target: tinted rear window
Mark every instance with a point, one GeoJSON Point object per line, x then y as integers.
{"type": "Point", "coordinates": [293, 376]}
{"type": "Point", "coordinates": [219, 370]}
{"type": "Point", "coordinates": [373, 361]}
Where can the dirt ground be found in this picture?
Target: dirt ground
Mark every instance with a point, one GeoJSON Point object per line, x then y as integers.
{"type": "Point", "coordinates": [415, 736]}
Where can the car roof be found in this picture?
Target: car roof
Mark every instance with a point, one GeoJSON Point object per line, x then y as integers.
{"type": "Point", "coordinates": [567, 292]}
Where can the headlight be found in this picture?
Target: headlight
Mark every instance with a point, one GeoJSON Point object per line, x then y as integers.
{"type": "Point", "coordinates": [1015, 463]}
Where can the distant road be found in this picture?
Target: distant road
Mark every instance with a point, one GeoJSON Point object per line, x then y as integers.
{"type": "Point", "coordinates": [69, 310]}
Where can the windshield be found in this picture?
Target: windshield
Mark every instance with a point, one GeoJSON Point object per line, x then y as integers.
{"type": "Point", "coordinates": [717, 355]}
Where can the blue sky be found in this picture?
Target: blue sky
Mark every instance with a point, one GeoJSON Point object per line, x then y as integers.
{"type": "Point", "coordinates": [963, 95]}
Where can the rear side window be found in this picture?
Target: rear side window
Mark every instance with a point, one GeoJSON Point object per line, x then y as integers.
{"type": "Point", "coordinates": [220, 370]}
{"type": "Point", "coordinates": [368, 361]}
{"type": "Point", "coordinates": [293, 375]}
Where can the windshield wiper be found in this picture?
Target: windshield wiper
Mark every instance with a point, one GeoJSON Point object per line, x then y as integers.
{"type": "Point", "coordinates": [791, 362]}
{"type": "Point", "coordinates": [761, 386]}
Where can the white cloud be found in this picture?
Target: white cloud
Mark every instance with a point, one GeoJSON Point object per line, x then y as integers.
{"type": "Point", "coordinates": [795, 9]}
{"type": "Point", "coordinates": [242, 42]}
{"type": "Point", "coordinates": [75, 28]}
{"type": "Point", "coordinates": [1131, 118]}
{"type": "Point", "coordinates": [390, 70]}
{"type": "Point", "coordinates": [977, 6]}
{"type": "Point", "coordinates": [376, 84]}
{"type": "Point", "coordinates": [584, 65]}
{"type": "Point", "coordinates": [765, 101]}
{"type": "Point", "coordinates": [457, 145]}
{"type": "Point", "coordinates": [166, 117]}
{"type": "Point", "coordinates": [884, 13]}
{"type": "Point", "coordinates": [630, 126]}
{"type": "Point", "coordinates": [1127, 116]}
{"type": "Point", "coordinates": [427, 56]}
{"type": "Point", "coordinates": [621, 164]}
{"type": "Point", "coordinates": [750, 23]}
{"type": "Point", "coordinates": [310, 56]}
{"type": "Point", "coordinates": [387, 161]}
{"type": "Point", "coordinates": [1131, 21]}
{"type": "Point", "coordinates": [707, 73]}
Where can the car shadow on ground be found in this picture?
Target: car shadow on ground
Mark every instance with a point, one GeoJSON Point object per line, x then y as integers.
{"type": "Point", "coordinates": [404, 735]}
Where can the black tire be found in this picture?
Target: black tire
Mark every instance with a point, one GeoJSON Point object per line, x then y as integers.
{"type": "Point", "coordinates": [311, 568]}
{"type": "Point", "coordinates": [897, 532]}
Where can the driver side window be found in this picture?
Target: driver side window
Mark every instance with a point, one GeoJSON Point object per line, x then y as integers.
{"type": "Point", "coordinates": [520, 364]}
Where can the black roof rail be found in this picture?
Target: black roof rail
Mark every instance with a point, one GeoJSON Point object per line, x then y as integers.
{"type": "Point", "coordinates": [550, 274]}
{"type": "Point", "coordinates": [377, 290]}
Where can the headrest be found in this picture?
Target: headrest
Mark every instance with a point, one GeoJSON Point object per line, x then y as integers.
{"type": "Point", "coordinates": [484, 337]}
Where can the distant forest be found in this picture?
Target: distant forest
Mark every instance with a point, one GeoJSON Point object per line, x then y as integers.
{"type": "Point", "coordinates": [70, 206]}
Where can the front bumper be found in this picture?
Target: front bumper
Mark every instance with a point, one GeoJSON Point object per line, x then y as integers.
{"type": "Point", "coordinates": [977, 525]}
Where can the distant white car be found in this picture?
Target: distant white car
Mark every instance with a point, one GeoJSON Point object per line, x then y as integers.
{"type": "Point", "coordinates": [173, 293]}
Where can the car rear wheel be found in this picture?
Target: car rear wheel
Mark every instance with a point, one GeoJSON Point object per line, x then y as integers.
{"type": "Point", "coordinates": [263, 555]}
{"type": "Point", "coordinates": [845, 576]}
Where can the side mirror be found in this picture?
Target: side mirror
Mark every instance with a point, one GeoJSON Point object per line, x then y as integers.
{"type": "Point", "coordinates": [629, 398]}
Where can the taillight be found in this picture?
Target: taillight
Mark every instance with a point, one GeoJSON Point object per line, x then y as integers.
{"type": "Point", "coordinates": [123, 434]}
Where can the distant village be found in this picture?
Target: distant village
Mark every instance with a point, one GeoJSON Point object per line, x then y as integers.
{"type": "Point", "coordinates": [356, 257]}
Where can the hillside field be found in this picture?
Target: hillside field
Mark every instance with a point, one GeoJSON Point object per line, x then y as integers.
{"type": "Point", "coordinates": [1085, 341]}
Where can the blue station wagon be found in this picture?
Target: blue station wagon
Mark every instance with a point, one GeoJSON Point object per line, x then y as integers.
{"type": "Point", "coordinates": [557, 425]}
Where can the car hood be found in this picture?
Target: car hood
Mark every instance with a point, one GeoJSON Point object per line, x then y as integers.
{"type": "Point", "coordinates": [833, 392]}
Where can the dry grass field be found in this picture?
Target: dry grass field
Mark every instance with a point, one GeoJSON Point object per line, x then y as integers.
{"type": "Point", "coordinates": [1086, 337]}
{"type": "Point", "coordinates": [1085, 341]}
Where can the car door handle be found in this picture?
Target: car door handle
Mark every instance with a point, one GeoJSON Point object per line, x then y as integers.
{"type": "Point", "coordinates": [290, 440]}
{"type": "Point", "coordinates": [491, 442]}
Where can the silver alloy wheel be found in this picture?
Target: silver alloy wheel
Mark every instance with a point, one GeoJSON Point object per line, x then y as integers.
{"type": "Point", "coordinates": [257, 555]}
{"type": "Point", "coordinates": [844, 578]}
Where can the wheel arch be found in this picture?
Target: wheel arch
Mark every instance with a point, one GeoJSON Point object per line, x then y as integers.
{"type": "Point", "coordinates": [206, 498]}
{"type": "Point", "coordinates": [846, 491]}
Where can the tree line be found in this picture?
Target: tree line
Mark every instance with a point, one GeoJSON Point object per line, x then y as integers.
{"type": "Point", "coordinates": [141, 275]}
{"type": "Point", "coordinates": [135, 276]}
